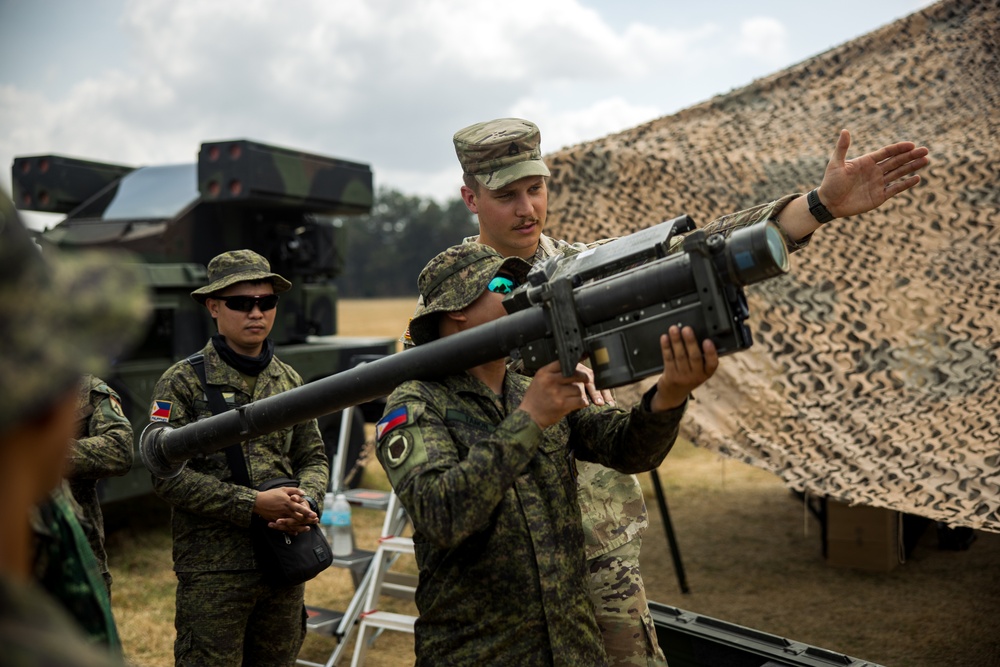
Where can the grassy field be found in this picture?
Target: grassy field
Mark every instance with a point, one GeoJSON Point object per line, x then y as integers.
{"type": "Point", "coordinates": [750, 551]}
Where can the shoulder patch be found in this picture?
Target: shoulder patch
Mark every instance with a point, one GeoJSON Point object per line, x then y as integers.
{"type": "Point", "coordinates": [398, 448]}
{"type": "Point", "coordinates": [116, 405]}
{"type": "Point", "coordinates": [397, 417]}
{"type": "Point", "coordinates": [160, 411]}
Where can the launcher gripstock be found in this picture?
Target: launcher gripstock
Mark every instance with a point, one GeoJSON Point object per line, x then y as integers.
{"type": "Point", "coordinates": [612, 302]}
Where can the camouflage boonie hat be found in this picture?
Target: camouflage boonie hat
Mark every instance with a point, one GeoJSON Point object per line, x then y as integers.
{"type": "Point", "coordinates": [453, 280]}
{"type": "Point", "coordinates": [238, 266]}
{"type": "Point", "coordinates": [61, 315]}
{"type": "Point", "coordinates": [499, 152]}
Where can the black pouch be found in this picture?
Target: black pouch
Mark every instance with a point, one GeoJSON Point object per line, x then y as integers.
{"type": "Point", "coordinates": [286, 559]}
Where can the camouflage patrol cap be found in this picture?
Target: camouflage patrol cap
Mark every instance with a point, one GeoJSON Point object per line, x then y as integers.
{"type": "Point", "coordinates": [499, 152]}
{"type": "Point", "coordinates": [453, 280]}
{"type": "Point", "coordinates": [238, 266]}
{"type": "Point", "coordinates": [61, 316]}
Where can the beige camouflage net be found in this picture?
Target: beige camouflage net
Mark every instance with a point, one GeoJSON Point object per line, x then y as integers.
{"type": "Point", "coordinates": [874, 376]}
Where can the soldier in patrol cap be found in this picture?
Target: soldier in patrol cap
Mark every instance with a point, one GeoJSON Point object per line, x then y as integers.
{"type": "Point", "coordinates": [483, 462]}
{"type": "Point", "coordinates": [60, 317]}
{"type": "Point", "coordinates": [228, 612]}
{"type": "Point", "coordinates": [505, 185]}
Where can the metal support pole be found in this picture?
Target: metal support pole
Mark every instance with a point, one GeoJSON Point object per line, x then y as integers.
{"type": "Point", "coordinates": [668, 527]}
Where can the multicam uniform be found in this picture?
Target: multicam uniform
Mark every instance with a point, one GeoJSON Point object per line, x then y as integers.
{"type": "Point", "coordinates": [226, 613]}
{"type": "Point", "coordinates": [103, 449]}
{"type": "Point", "coordinates": [497, 531]}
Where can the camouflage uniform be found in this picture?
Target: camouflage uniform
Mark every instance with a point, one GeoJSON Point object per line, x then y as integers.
{"type": "Point", "coordinates": [226, 613]}
{"type": "Point", "coordinates": [497, 529]}
{"type": "Point", "coordinates": [103, 449]}
{"type": "Point", "coordinates": [60, 316]}
{"type": "Point", "coordinates": [211, 521]}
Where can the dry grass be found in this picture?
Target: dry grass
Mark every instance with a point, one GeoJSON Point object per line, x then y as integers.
{"type": "Point", "coordinates": [751, 556]}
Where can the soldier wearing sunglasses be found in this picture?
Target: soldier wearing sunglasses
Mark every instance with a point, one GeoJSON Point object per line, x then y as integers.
{"type": "Point", "coordinates": [227, 612]}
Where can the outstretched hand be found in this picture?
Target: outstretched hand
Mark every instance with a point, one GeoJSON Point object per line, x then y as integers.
{"type": "Point", "coordinates": [686, 365]}
{"type": "Point", "coordinates": [856, 186]}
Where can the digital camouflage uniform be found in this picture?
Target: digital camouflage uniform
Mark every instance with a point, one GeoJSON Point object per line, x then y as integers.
{"type": "Point", "coordinates": [612, 504]}
{"type": "Point", "coordinates": [212, 549]}
{"type": "Point", "coordinates": [497, 531]}
{"type": "Point", "coordinates": [103, 449]}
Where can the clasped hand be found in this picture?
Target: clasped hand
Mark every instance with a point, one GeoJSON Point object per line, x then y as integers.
{"type": "Point", "coordinates": [285, 509]}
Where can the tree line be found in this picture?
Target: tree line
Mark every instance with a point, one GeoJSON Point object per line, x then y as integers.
{"type": "Point", "coordinates": [384, 251]}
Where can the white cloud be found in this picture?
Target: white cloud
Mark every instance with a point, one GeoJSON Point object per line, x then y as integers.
{"type": "Point", "coordinates": [561, 128]}
{"type": "Point", "coordinates": [763, 38]}
{"type": "Point", "coordinates": [386, 81]}
{"type": "Point", "coordinates": [382, 81]}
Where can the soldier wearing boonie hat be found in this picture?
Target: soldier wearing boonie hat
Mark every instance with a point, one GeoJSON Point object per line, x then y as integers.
{"type": "Point", "coordinates": [454, 279]}
{"type": "Point", "coordinates": [228, 611]}
{"type": "Point", "coordinates": [238, 266]}
{"type": "Point", "coordinates": [60, 317]}
{"type": "Point", "coordinates": [498, 152]}
{"type": "Point", "coordinates": [483, 461]}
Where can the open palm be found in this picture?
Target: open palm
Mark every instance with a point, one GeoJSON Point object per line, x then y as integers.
{"type": "Point", "coordinates": [855, 186]}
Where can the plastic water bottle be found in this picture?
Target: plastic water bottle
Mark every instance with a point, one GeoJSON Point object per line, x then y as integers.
{"type": "Point", "coordinates": [326, 518]}
{"type": "Point", "coordinates": [341, 538]}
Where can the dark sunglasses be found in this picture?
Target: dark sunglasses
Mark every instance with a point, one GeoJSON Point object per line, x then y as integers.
{"type": "Point", "coordinates": [245, 304]}
{"type": "Point", "coordinates": [502, 285]}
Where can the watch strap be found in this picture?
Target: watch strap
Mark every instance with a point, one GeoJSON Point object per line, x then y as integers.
{"type": "Point", "coordinates": [820, 212]}
{"type": "Point", "coordinates": [312, 503]}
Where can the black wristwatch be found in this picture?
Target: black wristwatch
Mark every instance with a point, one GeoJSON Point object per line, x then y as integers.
{"type": "Point", "coordinates": [820, 212]}
{"type": "Point", "coordinates": [312, 503]}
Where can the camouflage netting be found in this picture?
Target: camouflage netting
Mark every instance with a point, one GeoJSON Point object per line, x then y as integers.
{"type": "Point", "coordinates": [874, 376]}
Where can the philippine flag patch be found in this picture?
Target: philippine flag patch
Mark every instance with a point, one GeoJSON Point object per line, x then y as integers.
{"type": "Point", "coordinates": [397, 417]}
{"type": "Point", "coordinates": [161, 411]}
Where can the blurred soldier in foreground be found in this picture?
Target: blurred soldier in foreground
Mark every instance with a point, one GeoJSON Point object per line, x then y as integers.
{"type": "Point", "coordinates": [59, 318]}
{"type": "Point", "coordinates": [484, 463]}
{"type": "Point", "coordinates": [227, 611]}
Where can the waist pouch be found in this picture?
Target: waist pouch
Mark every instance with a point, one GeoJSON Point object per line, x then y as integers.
{"type": "Point", "coordinates": [286, 559]}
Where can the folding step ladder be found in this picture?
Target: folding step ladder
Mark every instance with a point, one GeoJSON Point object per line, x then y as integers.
{"type": "Point", "coordinates": [372, 618]}
{"type": "Point", "coordinates": [340, 624]}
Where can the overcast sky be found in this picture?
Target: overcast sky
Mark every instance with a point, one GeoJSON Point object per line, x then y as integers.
{"type": "Point", "coordinates": [386, 82]}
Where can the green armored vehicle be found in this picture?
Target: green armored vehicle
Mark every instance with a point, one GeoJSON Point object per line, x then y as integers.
{"type": "Point", "coordinates": [287, 205]}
